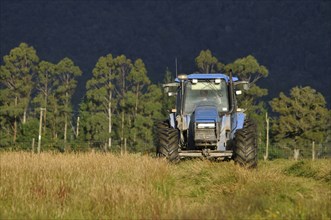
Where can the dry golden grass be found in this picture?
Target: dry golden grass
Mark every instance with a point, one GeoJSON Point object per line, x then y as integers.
{"type": "Point", "coordinates": [97, 185]}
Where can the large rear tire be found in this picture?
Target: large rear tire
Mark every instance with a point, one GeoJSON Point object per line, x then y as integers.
{"type": "Point", "coordinates": [245, 147]}
{"type": "Point", "coordinates": [167, 145]}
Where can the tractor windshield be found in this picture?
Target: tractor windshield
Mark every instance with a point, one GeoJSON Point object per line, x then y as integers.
{"type": "Point", "coordinates": [206, 93]}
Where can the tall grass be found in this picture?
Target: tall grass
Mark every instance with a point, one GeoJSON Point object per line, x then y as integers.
{"type": "Point", "coordinates": [96, 185]}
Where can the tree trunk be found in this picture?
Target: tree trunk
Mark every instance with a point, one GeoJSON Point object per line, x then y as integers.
{"type": "Point", "coordinates": [54, 123]}
{"type": "Point", "coordinates": [40, 126]}
{"type": "Point", "coordinates": [313, 150]}
{"type": "Point", "coordinates": [77, 127]}
{"type": "Point", "coordinates": [267, 138]}
{"type": "Point", "coordinates": [135, 113]}
{"type": "Point", "coordinates": [15, 124]}
{"type": "Point", "coordinates": [15, 130]}
{"type": "Point", "coordinates": [65, 129]}
{"type": "Point", "coordinates": [122, 130]}
{"type": "Point", "coordinates": [296, 154]}
{"type": "Point", "coordinates": [123, 98]}
{"type": "Point", "coordinates": [65, 122]}
{"type": "Point", "coordinates": [24, 117]}
{"type": "Point", "coordinates": [109, 119]}
{"type": "Point", "coordinates": [45, 106]}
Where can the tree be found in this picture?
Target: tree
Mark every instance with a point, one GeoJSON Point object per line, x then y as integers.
{"type": "Point", "coordinates": [150, 112]}
{"type": "Point", "coordinates": [303, 118]}
{"type": "Point", "coordinates": [137, 84]}
{"type": "Point", "coordinates": [66, 73]}
{"type": "Point", "coordinates": [16, 85]}
{"type": "Point", "coordinates": [45, 89]}
{"type": "Point", "coordinates": [248, 69]}
{"type": "Point", "coordinates": [120, 95]}
{"type": "Point", "coordinates": [98, 107]}
{"type": "Point", "coordinates": [123, 68]}
{"type": "Point", "coordinates": [207, 63]}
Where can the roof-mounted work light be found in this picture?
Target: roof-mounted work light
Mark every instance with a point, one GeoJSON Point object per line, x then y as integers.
{"type": "Point", "coordinates": [182, 77]}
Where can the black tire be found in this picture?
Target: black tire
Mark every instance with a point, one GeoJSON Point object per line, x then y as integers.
{"type": "Point", "coordinates": [167, 145]}
{"type": "Point", "coordinates": [245, 147]}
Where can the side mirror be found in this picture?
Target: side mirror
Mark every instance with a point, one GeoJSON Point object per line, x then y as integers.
{"type": "Point", "coordinates": [172, 93]}
{"type": "Point", "coordinates": [239, 92]}
{"type": "Point", "coordinates": [245, 84]}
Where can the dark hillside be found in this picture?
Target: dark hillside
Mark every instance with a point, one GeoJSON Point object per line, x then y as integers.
{"type": "Point", "coordinates": [291, 38]}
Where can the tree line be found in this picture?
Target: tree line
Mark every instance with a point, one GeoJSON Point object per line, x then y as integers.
{"type": "Point", "coordinates": [121, 105]}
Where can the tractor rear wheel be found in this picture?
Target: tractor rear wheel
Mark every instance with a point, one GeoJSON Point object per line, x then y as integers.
{"type": "Point", "coordinates": [167, 142]}
{"type": "Point", "coordinates": [245, 147]}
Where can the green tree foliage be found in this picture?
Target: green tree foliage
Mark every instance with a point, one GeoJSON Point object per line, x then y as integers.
{"type": "Point", "coordinates": [16, 83]}
{"type": "Point", "coordinates": [97, 109]}
{"type": "Point", "coordinates": [207, 63]}
{"type": "Point", "coordinates": [45, 82]}
{"type": "Point", "coordinates": [66, 73]}
{"type": "Point", "coordinates": [28, 131]}
{"type": "Point", "coordinates": [303, 118]}
{"type": "Point", "coordinates": [137, 81]}
{"type": "Point", "coordinates": [45, 97]}
{"type": "Point", "coordinates": [123, 67]}
{"type": "Point", "coordinates": [119, 95]}
{"type": "Point", "coordinates": [249, 69]}
{"type": "Point", "coordinates": [150, 112]}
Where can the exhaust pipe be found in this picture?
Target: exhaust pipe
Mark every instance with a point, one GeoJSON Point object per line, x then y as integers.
{"type": "Point", "coordinates": [231, 93]}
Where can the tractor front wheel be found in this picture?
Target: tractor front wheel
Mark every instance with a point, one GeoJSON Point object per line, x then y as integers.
{"type": "Point", "coordinates": [167, 142]}
{"type": "Point", "coordinates": [245, 147]}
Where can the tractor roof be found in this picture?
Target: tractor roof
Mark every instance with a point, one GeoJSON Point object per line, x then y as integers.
{"type": "Point", "coordinates": [209, 76]}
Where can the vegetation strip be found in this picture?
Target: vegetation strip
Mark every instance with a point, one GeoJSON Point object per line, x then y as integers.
{"type": "Point", "coordinates": [104, 185]}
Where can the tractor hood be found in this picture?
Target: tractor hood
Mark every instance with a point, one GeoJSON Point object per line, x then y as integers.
{"type": "Point", "coordinates": [207, 114]}
{"type": "Point", "coordinates": [205, 126]}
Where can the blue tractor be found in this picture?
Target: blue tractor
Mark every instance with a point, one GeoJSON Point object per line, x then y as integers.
{"type": "Point", "coordinates": [207, 122]}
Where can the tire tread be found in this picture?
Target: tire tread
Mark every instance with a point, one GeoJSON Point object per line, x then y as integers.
{"type": "Point", "coordinates": [167, 142]}
{"type": "Point", "coordinates": [245, 148]}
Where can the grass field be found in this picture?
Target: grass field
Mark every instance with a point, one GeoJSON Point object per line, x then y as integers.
{"type": "Point", "coordinates": [96, 185]}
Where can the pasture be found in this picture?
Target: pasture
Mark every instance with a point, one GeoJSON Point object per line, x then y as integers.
{"type": "Point", "coordinates": [105, 185]}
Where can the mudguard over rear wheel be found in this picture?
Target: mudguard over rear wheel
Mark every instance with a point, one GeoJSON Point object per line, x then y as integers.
{"type": "Point", "coordinates": [245, 147]}
{"type": "Point", "coordinates": [167, 142]}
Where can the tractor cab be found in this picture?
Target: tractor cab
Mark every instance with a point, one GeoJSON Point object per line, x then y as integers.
{"type": "Point", "coordinates": [205, 92]}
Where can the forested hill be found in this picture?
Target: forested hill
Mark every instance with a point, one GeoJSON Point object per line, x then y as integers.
{"type": "Point", "coordinates": [291, 38]}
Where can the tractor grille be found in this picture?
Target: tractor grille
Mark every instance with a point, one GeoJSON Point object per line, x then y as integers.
{"type": "Point", "coordinates": [205, 137]}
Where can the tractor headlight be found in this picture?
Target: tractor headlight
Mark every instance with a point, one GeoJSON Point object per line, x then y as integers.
{"type": "Point", "coordinates": [206, 125]}
{"type": "Point", "coordinates": [194, 81]}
